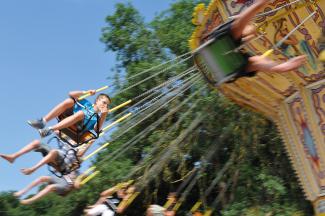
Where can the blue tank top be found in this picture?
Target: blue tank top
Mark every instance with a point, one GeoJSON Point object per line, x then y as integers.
{"type": "Point", "coordinates": [87, 108]}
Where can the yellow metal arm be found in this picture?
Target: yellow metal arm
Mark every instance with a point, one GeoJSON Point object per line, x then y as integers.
{"type": "Point", "coordinates": [95, 152]}
{"type": "Point", "coordinates": [91, 176]}
{"type": "Point", "coordinates": [208, 213]}
{"type": "Point", "coordinates": [196, 206]}
{"type": "Point", "coordinates": [82, 176]}
{"type": "Point", "coordinates": [88, 94]}
{"type": "Point", "coordinates": [267, 53]}
{"type": "Point", "coordinates": [120, 106]}
{"type": "Point", "coordinates": [115, 122]}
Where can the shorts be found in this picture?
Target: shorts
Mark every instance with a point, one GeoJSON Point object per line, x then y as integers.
{"type": "Point", "coordinates": [62, 187]}
{"type": "Point", "coordinates": [63, 161]}
{"type": "Point", "coordinates": [157, 210]}
{"type": "Point", "coordinates": [101, 209]}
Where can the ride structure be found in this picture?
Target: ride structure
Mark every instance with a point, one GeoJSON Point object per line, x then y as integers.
{"type": "Point", "coordinates": [293, 100]}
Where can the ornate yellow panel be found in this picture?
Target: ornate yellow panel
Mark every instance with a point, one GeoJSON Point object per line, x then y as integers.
{"type": "Point", "coordinates": [294, 100]}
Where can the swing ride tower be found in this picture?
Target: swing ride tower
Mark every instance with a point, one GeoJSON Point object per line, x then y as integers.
{"type": "Point", "coordinates": [295, 100]}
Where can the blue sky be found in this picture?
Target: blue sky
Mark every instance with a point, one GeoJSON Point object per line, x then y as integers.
{"type": "Point", "coordinates": [48, 48]}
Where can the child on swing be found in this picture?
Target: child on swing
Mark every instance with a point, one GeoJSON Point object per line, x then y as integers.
{"type": "Point", "coordinates": [60, 159]}
{"type": "Point", "coordinates": [241, 30]}
{"type": "Point", "coordinates": [82, 110]}
{"type": "Point", "coordinates": [60, 186]}
{"type": "Point", "coordinates": [112, 201]}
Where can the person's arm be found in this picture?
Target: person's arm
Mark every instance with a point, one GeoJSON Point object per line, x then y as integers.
{"type": "Point", "coordinates": [77, 94]}
{"type": "Point", "coordinates": [77, 182]}
{"type": "Point", "coordinates": [82, 149]}
{"type": "Point", "coordinates": [102, 119]}
{"type": "Point", "coordinates": [105, 194]}
{"type": "Point", "coordinates": [126, 200]}
{"type": "Point", "coordinates": [123, 205]}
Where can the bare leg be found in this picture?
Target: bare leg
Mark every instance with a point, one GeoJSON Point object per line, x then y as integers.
{"type": "Point", "coordinates": [243, 19]}
{"type": "Point", "coordinates": [148, 212]}
{"type": "Point", "coordinates": [59, 109]}
{"type": "Point", "coordinates": [98, 202]}
{"type": "Point", "coordinates": [38, 181]}
{"type": "Point", "coordinates": [48, 189]}
{"type": "Point", "coordinates": [97, 210]}
{"type": "Point", "coordinates": [12, 157]}
{"type": "Point", "coordinates": [170, 213]}
{"type": "Point", "coordinates": [259, 63]}
{"type": "Point", "coordinates": [69, 121]}
{"type": "Point", "coordinates": [50, 157]}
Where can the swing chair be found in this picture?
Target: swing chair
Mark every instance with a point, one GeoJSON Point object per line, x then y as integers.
{"type": "Point", "coordinates": [79, 133]}
{"type": "Point", "coordinates": [218, 58]}
{"type": "Point", "coordinates": [66, 164]}
{"type": "Point", "coordinates": [69, 139]}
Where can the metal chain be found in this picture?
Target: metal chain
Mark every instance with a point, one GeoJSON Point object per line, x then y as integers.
{"type": "Point", "coordinates": [157, 66]}
{"type": "Point", "coordinates": [150, 101]}
{"type": "Point", "coordinates": [184, 73]}
{"type": "Point", "coordinates": [147, 116]}
{"type": "Point", "coordinates": [147, 130]}
{"type": "Point", "coordinates": [152, 93]}
{"type": "Point", "coordinates": [159, 96]}
{"type": "Point", "coordinates": [154, 75]}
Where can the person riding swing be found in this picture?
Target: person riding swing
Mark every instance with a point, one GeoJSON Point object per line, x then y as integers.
{"type": "Point", "coordinates": [65, 158]}
{"type": "Point", "coordinates": [77, 118]}
{"type": "Point", "coordinates": [112, 201]}
{"type": "Point", "coordinates": [223, 53]}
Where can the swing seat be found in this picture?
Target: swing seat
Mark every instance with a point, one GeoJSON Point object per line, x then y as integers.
{"type": "Point", "coordinates": [218, 58]}
{"type": "Point", "coordinates": [78, 133]}
{"type": "Point", "coordinates": [62, 167]}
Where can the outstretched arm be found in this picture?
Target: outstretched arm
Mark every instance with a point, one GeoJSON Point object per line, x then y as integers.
{"type": "Point", "coordinates": [126, 200]}
{"type": "Point", "coordinates": [102, 119]}
{"type": "Point", "coordinates": [82, 149]}
{"type": "Point", "coordinates": [123, 205]}
{"type": "Point", "coordinates": [243, 19]}
{"type": "Point", "coordinates": [77, 182]}
{"type": "Point", "coordinates": [105, 194]}
{"type": "Point", "coordinates": [76, 94]}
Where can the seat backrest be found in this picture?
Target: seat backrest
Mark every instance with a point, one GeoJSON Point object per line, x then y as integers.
{"type": "Point", "coordinates": [75, 132]}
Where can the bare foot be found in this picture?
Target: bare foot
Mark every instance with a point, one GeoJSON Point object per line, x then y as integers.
{"type": "Point", "coordinates": [291, 64]}
{"type": "Point", "coordinates": [8, 158]}
{"type": "Point", "coordinates": [25, 202]}
{"type": "Point", "coordinates": [27, 171]}
{"type": "Point", "coordinates": [296, 62]}
{"type": "Point", "coordinates": [18, 193]}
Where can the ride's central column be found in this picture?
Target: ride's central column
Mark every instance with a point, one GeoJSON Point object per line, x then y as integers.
{"type": "Point", "coordinates": [302, 124]}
